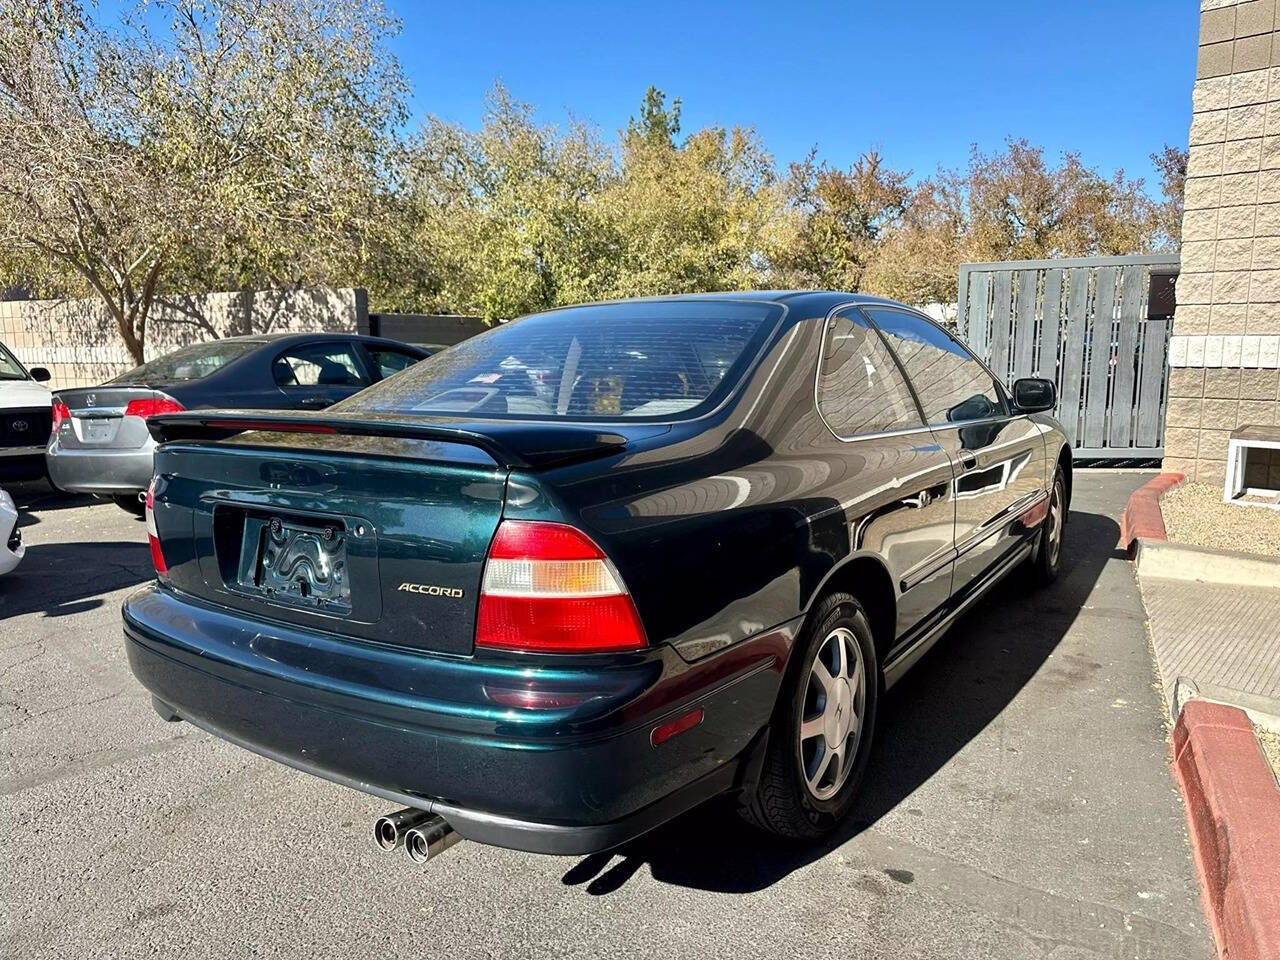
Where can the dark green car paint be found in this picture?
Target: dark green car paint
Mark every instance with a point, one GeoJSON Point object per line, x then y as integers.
{"type": "Point", "coordinates": [726, 529]}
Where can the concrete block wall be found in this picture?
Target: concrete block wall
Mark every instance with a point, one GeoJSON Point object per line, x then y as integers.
{"type": "Point", "coordinates": [78, 341]}
{"type": "Point", "coordinates": [1225, 348]}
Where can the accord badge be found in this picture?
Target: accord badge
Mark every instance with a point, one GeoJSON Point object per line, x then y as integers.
{"type": "Point", "coordinates": [430, 590]}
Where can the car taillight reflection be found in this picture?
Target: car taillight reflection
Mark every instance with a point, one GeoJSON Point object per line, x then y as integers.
{"type": "Point", "coordinates": [157, 557]}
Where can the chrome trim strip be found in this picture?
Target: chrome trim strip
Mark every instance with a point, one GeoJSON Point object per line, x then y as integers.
{"type": "Point", "coordinates": [922, 573]}
{"type": "Point", "coordinates": [994, 525]}
{"type": "Point", "coordinates": [985, 532]}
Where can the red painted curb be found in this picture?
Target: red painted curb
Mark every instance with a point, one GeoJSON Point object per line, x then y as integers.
{"type": "Point", "coordinates": [1233, 810]}
{"type": "Point", "coordinates": [1142, 517]}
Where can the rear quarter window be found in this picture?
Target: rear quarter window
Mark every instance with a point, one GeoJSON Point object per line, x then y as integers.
{"type": "Point", "coordinates": [640, 360]}
{"type": "Point", "coordinates": [860, 388]}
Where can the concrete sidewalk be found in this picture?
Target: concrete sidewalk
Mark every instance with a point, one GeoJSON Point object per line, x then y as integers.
{"type": "Point", "coordinates": [1223, 638]}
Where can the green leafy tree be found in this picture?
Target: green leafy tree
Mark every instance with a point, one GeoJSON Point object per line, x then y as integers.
{"type": "Point", "coordinates": [520, 216]}
{"type": "Point", "coordinates": [1015, 205]}
{"type": "Point", "coordinates": [690, 217]}
{"type": "Point", "coordinates": [1171, 162]}
{"type": "Point", "coordinates": [840, 219]}
{"type": "Point", "coordinates": [658, 125]}
{"type": "Point", "coordinates": [199, 145]}
{"type": "Point", "coordinates": [502, 220]}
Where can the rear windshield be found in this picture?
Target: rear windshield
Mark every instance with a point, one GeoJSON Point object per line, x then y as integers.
{"type": "Point", "coordinates": [189, 363]}
{"type": "Point", "coordinates": [645, 360]}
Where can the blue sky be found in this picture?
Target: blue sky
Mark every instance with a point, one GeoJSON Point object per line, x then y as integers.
{"type": "Point", "coordinates": [919, 79]}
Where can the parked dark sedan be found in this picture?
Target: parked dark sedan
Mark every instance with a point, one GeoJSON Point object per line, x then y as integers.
{"type": "Point", "coordinates": [584, 571]}
{"type": "Point", "coordinates": [100, 442]}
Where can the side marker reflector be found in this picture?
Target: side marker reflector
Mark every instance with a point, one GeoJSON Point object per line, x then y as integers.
{"type": "Point", "coordinates": [673, 728]}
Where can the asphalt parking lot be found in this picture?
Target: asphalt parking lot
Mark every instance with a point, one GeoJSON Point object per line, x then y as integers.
{"type": "Point", "coordinates": [1019, 804]}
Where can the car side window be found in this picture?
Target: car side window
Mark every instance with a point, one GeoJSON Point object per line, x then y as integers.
{"type": "Point", "coordinates": [952, 385]}
{"type": "Point", "coordinates": [318, 365]}
{"type": "Point", "coordinates": [860, 388]}
{"type": "Point", "coordinates": [388, 361]}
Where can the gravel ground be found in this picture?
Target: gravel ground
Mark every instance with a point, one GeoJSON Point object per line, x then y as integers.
{"type": "Point", "coordinates": [1271, 747]}
{"type": "Point", "coordinates": [1194, 513]}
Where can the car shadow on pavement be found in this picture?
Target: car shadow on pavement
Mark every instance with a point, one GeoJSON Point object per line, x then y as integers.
{"type": "Point", "coordinates": [939, 706]}
{"type": "Point", "coordinates": [31, 496]}
{"type": "Point", "coordinates": [65, 578]}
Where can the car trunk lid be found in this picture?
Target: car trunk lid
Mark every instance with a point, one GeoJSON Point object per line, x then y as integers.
{"type": "Point", "coordinates": [97, 417]}
{"type": "Point", "coordinates": [370, 528]}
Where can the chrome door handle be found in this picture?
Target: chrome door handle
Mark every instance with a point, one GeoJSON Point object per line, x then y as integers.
{"type": "Point", "coordinates": [968, 460]}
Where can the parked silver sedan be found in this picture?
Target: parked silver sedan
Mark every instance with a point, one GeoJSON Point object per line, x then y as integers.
{"type": "Point", "coordinates": [100, 443]}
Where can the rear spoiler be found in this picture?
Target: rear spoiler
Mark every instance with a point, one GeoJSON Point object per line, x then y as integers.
{"type": "Point", "coordinates": [512, 444]}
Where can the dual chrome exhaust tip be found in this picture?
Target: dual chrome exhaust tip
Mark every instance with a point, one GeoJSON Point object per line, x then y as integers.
{"type": "Point", "coordinates": [423, 835]}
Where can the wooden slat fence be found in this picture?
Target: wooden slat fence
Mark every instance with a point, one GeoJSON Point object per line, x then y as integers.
{"type": "Point", "coordinates": [1084, 324]}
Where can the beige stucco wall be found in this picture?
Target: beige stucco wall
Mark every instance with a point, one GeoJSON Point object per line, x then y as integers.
{"type": "Point", "coordinates": [1225, 349]}
{"type": "Point", "coordinates": [78, 342]}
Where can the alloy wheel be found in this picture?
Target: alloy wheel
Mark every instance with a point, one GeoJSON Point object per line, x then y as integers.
{"type": "Point", "coordinates": [1056, 518]}
{"type": "Point", "coordinates": [832, 712]}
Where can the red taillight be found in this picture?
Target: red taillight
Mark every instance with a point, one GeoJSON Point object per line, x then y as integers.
{"type": "Point", "coordinates": [548, 588]}
{"type": "Point", "coordinates": [60, 413]}
{"type": "Point", "coordinates": [152, 406]}
{"type": "Point", "coordinates": [157, 557]}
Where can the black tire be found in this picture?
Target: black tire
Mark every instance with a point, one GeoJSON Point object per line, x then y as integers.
{"type": "Point", "coordinates": [1046, 560]}
{"type": "Point", "coordinates": [783, 802]}
{"type": "Point", "coordinates": [130, 503]}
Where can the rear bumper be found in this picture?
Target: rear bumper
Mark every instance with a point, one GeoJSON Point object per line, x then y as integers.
{"type": "Point", "coordinates": [100, 471]}
{"type": "Point", "coordinates": [426, 731]}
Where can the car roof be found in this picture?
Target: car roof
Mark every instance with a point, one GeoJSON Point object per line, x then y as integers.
{"type": "Point", "coordinates": [289, 338]}
{"type": "Point", "coordinates": [799, 299]}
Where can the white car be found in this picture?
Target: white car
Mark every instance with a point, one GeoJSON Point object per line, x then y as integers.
{"type": "Point", "coordinates": [11, 548]}
{"type": "Point", "coordinates": [26, 418]}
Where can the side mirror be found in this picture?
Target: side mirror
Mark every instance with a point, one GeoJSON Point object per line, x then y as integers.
{"type": "Point", "coordinates": [40, 374]}
{"type": "Point", "coordinates": [1034, 394]}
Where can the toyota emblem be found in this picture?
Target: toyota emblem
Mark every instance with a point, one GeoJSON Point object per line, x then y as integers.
{"type": "Point", "coordinates": [91, 399]}
{"type": "Point", "coordinates": [19, 426]}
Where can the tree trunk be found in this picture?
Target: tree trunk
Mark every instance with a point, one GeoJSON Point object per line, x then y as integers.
{"type": "Point", "coordinates": [132, 320]}
{"type": "Point", "coordinates": [135, 346]}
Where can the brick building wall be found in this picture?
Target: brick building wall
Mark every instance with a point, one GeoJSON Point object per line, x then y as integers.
{"type": "Point", "coordinates": [1225, 350]}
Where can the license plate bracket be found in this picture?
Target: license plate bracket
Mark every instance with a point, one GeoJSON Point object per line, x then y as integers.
{"type": "Point", "coordinates": [100, 430]}
{"type": "Point", "coordinates": [296, 561]}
